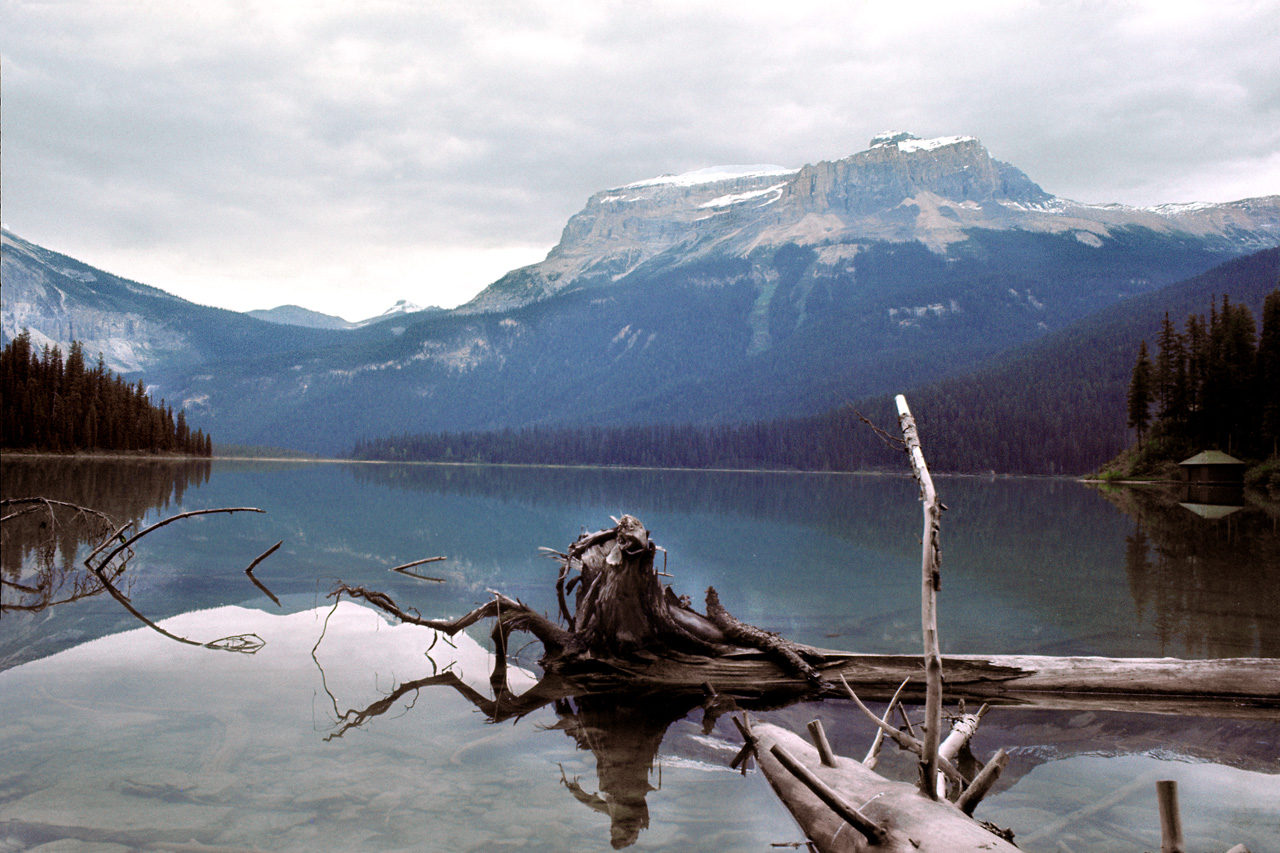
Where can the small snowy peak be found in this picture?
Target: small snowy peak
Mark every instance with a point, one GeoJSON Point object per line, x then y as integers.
{"type": "Point", "coordinates": [400, 309]}
{"type": "Point", "coordinates": [714, 174]}
{"type": "Point", "coordinates": [402, 306]}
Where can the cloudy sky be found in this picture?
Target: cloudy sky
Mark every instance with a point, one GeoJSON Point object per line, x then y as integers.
{"type": "Point", "coordinates": [345, 155]}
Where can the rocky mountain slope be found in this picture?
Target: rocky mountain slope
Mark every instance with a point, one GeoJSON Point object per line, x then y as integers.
{"type": "Point", "coordinates": [142, 329]}
{"type": "Point", "coordinates": [135, 327]}
{"type": "Point", "coordinates": [900, 190]}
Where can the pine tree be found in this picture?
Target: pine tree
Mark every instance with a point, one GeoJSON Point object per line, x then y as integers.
{"type": "Point", "coordinates": [1268, 376]}
{"type": "Point", "coordinates": [1230, 402]}
{"type": "Point", "coordinates": [1140, 392]}
{"type": "Point", "coordinates": [1166, 368]}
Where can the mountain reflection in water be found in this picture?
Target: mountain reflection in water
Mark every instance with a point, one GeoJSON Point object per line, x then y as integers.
{"type": "Point", "coordinates": [133, 740]}
{"type": "Point", "coordinates": [174, 743]}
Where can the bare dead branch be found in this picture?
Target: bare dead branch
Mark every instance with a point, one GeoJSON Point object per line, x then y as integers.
{"type": "Point", "coordinates": [243, 643]}
{"type": "Point", "coordinates": [170, 520]}
{"type": "Point", "coordinates": [874, 832]}
{"type": "Point", "coordinates": [259, 584]}
{"type": "Point", "coordinates": [741, 633]}
{"type": "Point", "coordinates": [873, 754]}
{"type": "Point", "coordinates": [404, 570]}
{"type": "Point", "coordinates": [981, 784]}
{"type": "Point", "coordinates": [54, 585]}
{"type": "Point", "coordinates": [515, 615]}
{"type": "Point", "coordinates": [418, 563]}
{"type": "Point", "coordinates": [118, 535]}
{"type": "Point", "coordinates": [891, 441]}
{"type": "Point", "coordinates": [903, 739]}
{"type": "Point", "coordinates": [19, 513]}
{"type": "Point", "coordinates": [931, 583]}
{"type": "Point", "coordinates": [263, 556]}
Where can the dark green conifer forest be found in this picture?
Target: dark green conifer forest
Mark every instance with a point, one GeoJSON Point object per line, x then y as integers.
{"type": "Point", "coordinates": [1214, 385]}
{"type": "Point", "coordinates": [48, 403]}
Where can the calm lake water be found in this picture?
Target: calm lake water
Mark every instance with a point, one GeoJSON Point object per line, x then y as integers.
{"type": "Point", "coordinates": [114, 737]}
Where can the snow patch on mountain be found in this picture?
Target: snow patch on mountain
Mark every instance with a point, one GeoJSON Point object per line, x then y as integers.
{"type": "Point", "coordinates": [713, 174]}
{"type": "Point", "coordinates": [1181, 207]}
{"type": "Point", "coordinates": [910, 316]}
{"type": "Point", "coordinates": [402, 307]}
{"type": "Point", "coordinates": [738, 198]}
{"type": "Point", "coordinates": [910, 143]}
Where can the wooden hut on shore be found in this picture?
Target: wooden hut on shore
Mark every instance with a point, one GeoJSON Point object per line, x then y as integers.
{"type": "Point", "coordinates": [1213, 467]}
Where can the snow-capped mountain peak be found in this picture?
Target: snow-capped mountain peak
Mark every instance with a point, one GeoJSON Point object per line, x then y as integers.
{"type": "Point", "coordinates": [901, 189]}
{"type": "Point", "coordinates": [402, 306]}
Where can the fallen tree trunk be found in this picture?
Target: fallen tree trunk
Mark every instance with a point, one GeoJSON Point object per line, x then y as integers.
{"type": "Point", "coordinates": [822, 791]}
{"type": "Point", "coordinates": [1245, 687]}
{"type": "Point", "coordinates": [886, 816]}
{"type": "Point", "coordinates": [627, 631]}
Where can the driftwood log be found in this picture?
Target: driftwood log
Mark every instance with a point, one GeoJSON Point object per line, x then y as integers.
{"type": "Point", "coordinates": [627, 631]}
{"type": "Point", "coordinates": [850, 807]}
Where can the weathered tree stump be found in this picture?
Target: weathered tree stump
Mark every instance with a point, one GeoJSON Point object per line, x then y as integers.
{"type": "Point", "coordinates": [625, 622]}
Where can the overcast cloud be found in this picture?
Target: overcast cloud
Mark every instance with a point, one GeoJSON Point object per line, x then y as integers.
{"type": "Point", "coordinates": [345, 155]}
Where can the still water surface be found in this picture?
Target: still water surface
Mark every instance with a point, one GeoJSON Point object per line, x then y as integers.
{"type": "Point", "coordinates": [115, 737]}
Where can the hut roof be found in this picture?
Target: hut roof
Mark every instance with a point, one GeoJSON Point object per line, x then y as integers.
{"type": "Point", "coordinates": [1211, 457]}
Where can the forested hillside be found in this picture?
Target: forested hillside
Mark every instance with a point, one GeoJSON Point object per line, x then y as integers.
{"type": "Point", "coordinates": [48, 403]}
{"type": "Point", "coordinates": [1213, 386]}
{"type": "Point", "coordinates": [1055, 406]}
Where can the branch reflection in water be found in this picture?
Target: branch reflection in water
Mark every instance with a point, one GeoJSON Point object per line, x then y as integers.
{"type": "Point", "coordinates": [53, 584]}
{"type": "Point", "coordinates": [623, 731]}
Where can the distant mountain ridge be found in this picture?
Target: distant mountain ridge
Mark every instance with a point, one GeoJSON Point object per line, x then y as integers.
{"type": "Point", "coordinates": [296, 315]}
{"type": "Point", "coordinates": [1054, 406]}
{"type": "Point", "coordinates": [719, 296]}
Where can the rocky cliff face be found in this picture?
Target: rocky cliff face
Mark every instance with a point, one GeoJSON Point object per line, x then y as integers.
{"type": "Point", "coordinates": [622, 228]}
{"type": "Point", "coordinates": [135, 327]}
{"type": "Point", "coordinates": [58, 300]}
{"type": "Point", "coordinates": [901, 189]}
{"type": "Point", "coordinates": [899, 167]}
